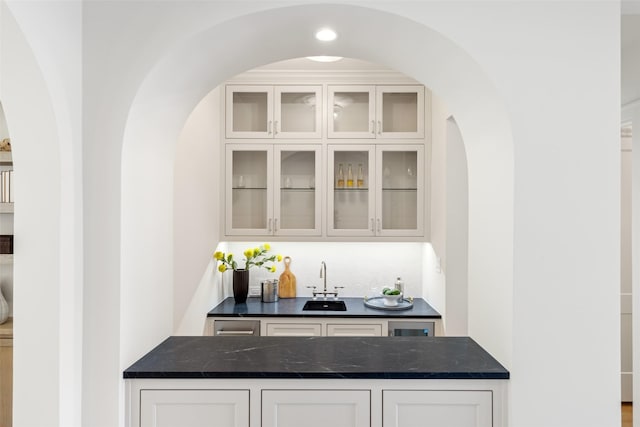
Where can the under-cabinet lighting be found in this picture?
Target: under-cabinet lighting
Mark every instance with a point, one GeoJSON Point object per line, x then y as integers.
{"type": "Point", "coordinates": [325, 58]}
{"type": "Point", "coordinates": [326, 35]}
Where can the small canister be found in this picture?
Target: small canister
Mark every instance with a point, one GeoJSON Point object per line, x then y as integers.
{"type": "Point", "coordinates": [269, 290]}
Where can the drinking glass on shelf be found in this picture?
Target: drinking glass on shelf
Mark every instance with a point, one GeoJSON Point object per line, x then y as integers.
{"type": "Point", "coordinates": [287, 182]}
{"type": "Point", "coordinates": [241, 181]}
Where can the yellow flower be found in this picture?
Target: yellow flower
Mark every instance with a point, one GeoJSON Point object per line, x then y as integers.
{"type": "Point", "coordinates": [267, 247]}
{"type": "Point", "coordinates": [222, 268]}
{"type": "Point", "coordinates": [273, 269]}
{"type": "Point", "coordinates": [256, 251]}
{"type": "Point", "coordinates": [279, 257]}
{"type": "Point", "coordinates": [218, 255]}
{"type": "Point", "coordinates": [248, 253]}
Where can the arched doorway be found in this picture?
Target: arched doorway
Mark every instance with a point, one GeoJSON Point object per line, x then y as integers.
{"type": "Point", "coordinates": [194, 68]}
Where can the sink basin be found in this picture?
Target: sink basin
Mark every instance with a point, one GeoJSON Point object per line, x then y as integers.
{"type": "Point", "coordinates": [325, 305]}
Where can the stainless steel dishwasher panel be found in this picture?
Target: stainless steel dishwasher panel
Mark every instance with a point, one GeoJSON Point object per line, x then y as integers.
{"type": "Point", "coordinates": [225, 328]}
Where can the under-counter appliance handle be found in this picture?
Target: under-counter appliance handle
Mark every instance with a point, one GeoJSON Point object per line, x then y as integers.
{"type": "Point", "coordinates": [248, 332]}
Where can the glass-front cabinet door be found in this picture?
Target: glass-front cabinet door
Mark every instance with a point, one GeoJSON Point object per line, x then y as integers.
{"type": "Point", "coordinates": [298, 112]}
{"type": "Point", "coordinates": [351, 182]}
{"type": "Point", "coordinates": [400, 111]}
{"type": "Point", "coordinates": [249, 198]}
{"type": "Point", "coordinates": [273, 111]}
{"type": "Point", "coordinates": [249, 111]}
{"type": "Point", "coordinates": [400, 190]}
{"type": "Point", "coordinates": [298, 196]}
{"type": "Point", "coordinates": [351, 111]}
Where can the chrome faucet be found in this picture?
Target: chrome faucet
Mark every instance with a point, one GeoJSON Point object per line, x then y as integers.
{"type": "Point", "coordinates": [324, 292]}
{"type": "Point", "coordinates": [323, 274]}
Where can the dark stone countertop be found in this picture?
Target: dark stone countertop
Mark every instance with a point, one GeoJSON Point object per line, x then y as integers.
{"type": "Point", "coordinates": [318, 357]}
{"type": "Point", "coordinates": [292, 307]}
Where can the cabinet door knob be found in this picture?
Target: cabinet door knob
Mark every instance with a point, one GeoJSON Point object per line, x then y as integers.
{"type": "Point", "coordinates": [269, 225]}
{"type": "Point", "coordinates": [373, 127]}
{"type": "Point", "coordinates": [275, 224]}
{"type": "Point", "coordinates": [379, 127]}
{"type": "Point", "coordinates": [269, 129]}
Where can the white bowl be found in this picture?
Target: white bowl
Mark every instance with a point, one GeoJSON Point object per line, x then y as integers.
{"type": "Point", "coordinates": [392, 300]}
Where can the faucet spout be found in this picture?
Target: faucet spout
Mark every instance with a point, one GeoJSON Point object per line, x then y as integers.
{"type": "Point", "coordinates": [323, 274]}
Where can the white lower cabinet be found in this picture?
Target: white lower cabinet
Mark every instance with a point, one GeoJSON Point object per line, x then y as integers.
{"type": "Point", "coordinates": [355, 330]}
{"type": "Point", "coordinates": [316, 408]}
{"type": "Point", "coordinates": [308, 402]}
{"type": "Point", "coordinates": [442, 408]}
{"type": "Point", "coordinates": [294, 329]}
{"type": "Point", "coordinates": [194, 408]}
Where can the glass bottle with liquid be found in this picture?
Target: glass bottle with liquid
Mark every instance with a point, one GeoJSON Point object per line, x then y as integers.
{"type": "Point", "coordinates": [340, 183]}
{"type": "Point", "coordinates": [349, 176]}
{"type": "Point", "coordinates": [360, 176]}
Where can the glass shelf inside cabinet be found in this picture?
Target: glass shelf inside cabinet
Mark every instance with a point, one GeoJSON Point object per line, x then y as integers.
{"type": "Point", "coordinates": [399, 190]}
{"type": "Point", "coordinates": [249, 195]}
{"type": "Point", "coordinates": [297, 189]}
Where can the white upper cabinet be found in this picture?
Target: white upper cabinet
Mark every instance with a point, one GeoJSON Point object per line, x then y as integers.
{"type": "Point", "coordinates": [273, 111]}
{"type": "Point", "coordinates": [361, 111]}
{"type": "Point", "coordinates": [376, 190]}
{"type": "Point", "coordinates": [273, 190]}
{"type": "Point", "coordinates": [400, 111]}
{"type": "Point", "coordinates": [352, 112]}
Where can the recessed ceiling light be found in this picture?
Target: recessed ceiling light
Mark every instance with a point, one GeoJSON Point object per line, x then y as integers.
{"type": "Point", "coordinates": [326, 35]}
{"type": "Point", "coordinates": [325, 58]}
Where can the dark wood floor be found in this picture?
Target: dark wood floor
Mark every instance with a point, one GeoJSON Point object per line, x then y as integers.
{"type": "Point", "coordinates": [627, 415]}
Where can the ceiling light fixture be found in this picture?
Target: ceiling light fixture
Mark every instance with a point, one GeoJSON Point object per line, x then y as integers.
{"type": "Point", "coordinates": [326, 35]}
{"type": "Point", "coordinates": [324, 58]}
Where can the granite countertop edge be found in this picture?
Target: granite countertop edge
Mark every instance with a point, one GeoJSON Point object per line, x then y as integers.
{"type": "Point", "coordinates": [318, 357]}
{"type": "Point", "coordinates": [292, 307]}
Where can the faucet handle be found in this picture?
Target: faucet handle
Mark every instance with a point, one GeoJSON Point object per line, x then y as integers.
{"type": "Point", "coordinates": [313, 291]}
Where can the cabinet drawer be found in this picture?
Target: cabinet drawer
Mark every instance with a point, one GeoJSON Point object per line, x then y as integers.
{"type": "Point", "coordinates": [316, 408]}
{"type": "Point", "coordinates": [194, 408]}
{"type": "Point", "coordinates": [294, 329]}
{"type": "Point", "coordinates": [442, 408]}
{"type": "Point", "coordinates": [346, 330]}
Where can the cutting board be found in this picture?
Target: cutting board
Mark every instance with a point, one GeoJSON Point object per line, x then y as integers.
{"type": "Point", "coordinates": [287, 282]}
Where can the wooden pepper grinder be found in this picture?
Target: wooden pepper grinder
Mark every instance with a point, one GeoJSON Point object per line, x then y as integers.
{"type": "Point", "coordinates": [287, 282]}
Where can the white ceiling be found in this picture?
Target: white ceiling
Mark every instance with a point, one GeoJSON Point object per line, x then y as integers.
{"type": "Point", "coordinates": [630, 57]}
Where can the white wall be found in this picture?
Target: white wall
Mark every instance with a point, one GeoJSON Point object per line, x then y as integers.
{"type": "Point", "coordinates": [633, 115]}
{"type": "Point", "coordinates": [529, 256]}
{"type": "Point", "coordinates": [522, 70]}
{"type": "Point", "coordinates": [457, 233]}
{"type": "Point", "coordinates": [42, 252]}
{"type": "Point", "coordinates": [197, 195]}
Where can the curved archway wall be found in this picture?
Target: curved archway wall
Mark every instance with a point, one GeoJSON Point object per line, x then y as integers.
{"type": "Point", "coordinates": [190, 71]}
{"type": "Point", "coordinates": [507, 323]}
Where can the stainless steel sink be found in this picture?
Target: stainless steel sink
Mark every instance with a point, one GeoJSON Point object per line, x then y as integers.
{"type": "Point", "coordinates": [324, 305]}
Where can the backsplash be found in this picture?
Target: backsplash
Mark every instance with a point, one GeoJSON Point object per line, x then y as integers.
{"type": "Point", "coordinates": [362, 268]}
